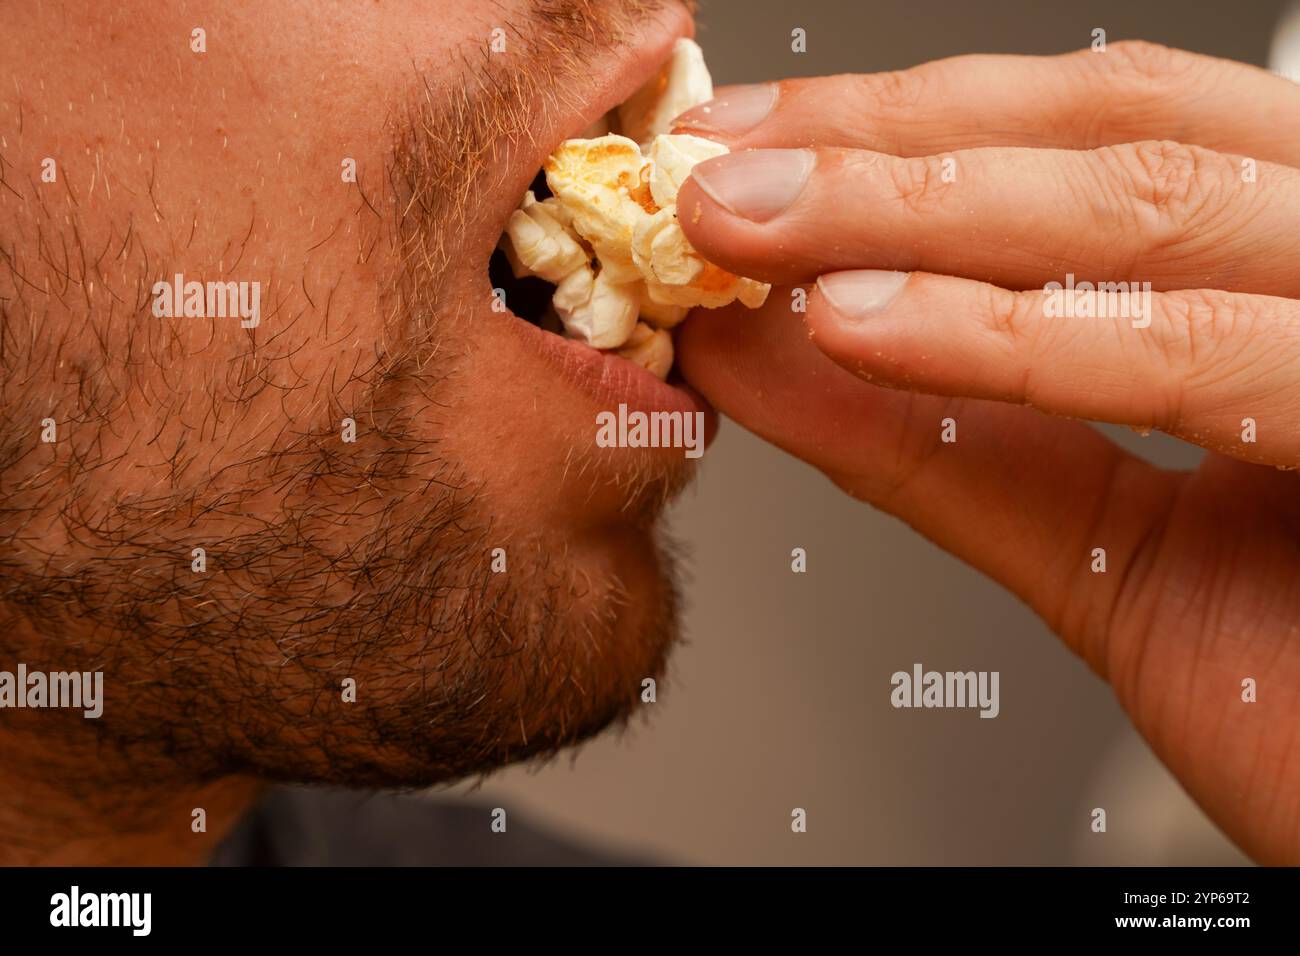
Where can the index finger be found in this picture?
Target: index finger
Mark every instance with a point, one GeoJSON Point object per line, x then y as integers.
{"type": "Point", "coordinates": [1082, 100]}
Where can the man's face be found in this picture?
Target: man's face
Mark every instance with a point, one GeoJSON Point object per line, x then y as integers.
{"type": "Point", "coordinates": [323, 558]}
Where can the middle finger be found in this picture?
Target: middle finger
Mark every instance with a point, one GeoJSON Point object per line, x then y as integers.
{"type": "Point", "coordinates": [1173, 215]}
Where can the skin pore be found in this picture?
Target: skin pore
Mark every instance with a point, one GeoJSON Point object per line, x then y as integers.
{"type": "Point", "coordinates": [325, 560]}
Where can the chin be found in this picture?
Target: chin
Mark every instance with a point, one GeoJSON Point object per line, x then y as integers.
{"type": "Point", "coordinates": [539, 662]}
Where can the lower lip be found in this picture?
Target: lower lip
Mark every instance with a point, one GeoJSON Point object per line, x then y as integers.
{"type": "Point", "coordinates": [613, 380]}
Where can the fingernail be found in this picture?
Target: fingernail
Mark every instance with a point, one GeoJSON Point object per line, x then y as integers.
{"type": "Point", "coordinates": [738, 112]}
{"type": "Point", "coordinates": [860, 294]}
{"type": "Point", "coordinates": [755, 184]}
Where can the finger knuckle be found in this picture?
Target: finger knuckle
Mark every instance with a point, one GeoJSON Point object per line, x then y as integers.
{"type": "Point", "coordinates": [919, 183]}
{"type": "Point", "coordinates": [1006, 313]}
{"type": "Point", "coordinates": [1176, 337]}
{"type": "Point", "coordinates": [1201, 324]}
{"type": "Point", "coordinates": [1015, 318]}
{"type": "Point", "coordinates": [896, 91]}
{"type": "Point", "coordinates": [1147, 64]}
{"type": "Point", "coordinates": [903, 461]}
{"type": "Point", "coordinates": [1172, 183]}
{"type": "Point", "coordinates": [1202, 344]}
{"type": "Point", "coordinates": [915, 450]}
{"type": "Point", "coordinates": [1126, 83]}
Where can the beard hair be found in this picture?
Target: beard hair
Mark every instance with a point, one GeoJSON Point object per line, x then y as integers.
{"type": "Point", "coordinates": [370, 564]}
{"type": "Point", "coordinates": [374, 567]}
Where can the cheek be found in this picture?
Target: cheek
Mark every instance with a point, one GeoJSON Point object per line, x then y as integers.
{"type": "Point", "coordinates": [518, 437]}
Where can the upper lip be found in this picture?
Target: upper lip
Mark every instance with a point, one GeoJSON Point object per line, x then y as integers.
{"type": "Point", "coordinates": [616, 75]}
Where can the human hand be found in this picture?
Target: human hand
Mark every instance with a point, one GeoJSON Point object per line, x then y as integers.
{"type": "Point", "coordinates": [973, 183]}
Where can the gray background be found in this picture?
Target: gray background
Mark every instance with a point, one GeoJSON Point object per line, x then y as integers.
{"type": "Point", "coordinates": [781, 699]}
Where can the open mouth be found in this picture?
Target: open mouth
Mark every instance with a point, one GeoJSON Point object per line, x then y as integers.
{"type": "Point", "coordinates": [594, 252]}
{"type": "Point", "coordinates": [528, 296]}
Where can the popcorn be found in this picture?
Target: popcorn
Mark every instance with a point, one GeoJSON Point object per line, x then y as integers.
{"type": "Point", "coordinates": [594, 180]}
{"type": "Point", "coordinates": [672, 158]}
{"type": "Point", "coordinates": [682, 83]}
{"type": "Point", "coordinates": [661, 315]}
{"type": "Point", "coordinates": [615, 202]}
{"type": "Point", "coordinates": [596, 309]}
{"type": "Point", "coordinates": [541, 242]}
{"type": "Point", "coordinates": [650, 348]}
